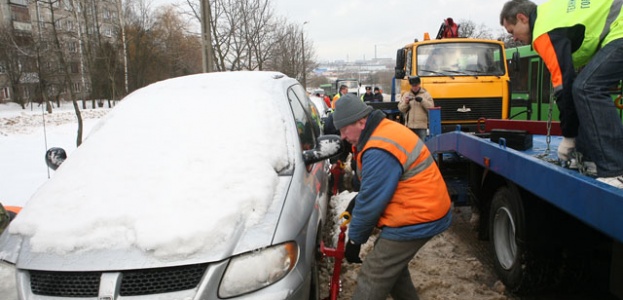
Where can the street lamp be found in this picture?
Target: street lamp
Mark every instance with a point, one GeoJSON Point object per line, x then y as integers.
{"type": "Point", "coordinates": [304, 64]}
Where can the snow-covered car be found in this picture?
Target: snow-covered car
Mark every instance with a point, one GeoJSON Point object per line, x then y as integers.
{"type": "Point", "coordinates": [170, 198]}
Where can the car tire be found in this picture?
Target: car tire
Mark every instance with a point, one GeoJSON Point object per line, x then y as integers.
{"type": "Point", "coordinates": [314, 290]}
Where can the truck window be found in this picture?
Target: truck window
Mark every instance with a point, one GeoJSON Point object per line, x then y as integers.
{"type": "Point", "coordinates": [457, 59]}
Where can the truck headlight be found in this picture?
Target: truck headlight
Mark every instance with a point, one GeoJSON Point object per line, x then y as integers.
{"type": "Point", "coordinates": [8, 289]}
{"type": "Point", "coordinates": [257, 269]}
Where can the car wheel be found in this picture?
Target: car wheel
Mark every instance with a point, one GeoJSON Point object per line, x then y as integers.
{"type": "Point", "coordinates": [314, 290]}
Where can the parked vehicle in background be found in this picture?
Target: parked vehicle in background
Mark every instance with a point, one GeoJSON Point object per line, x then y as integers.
{"type": "Point", "coordinates": [169, 199]}
{"type": "Point", "coordinates": [328, 89]}
{"type": "Point", "coordinates": [466, 77]}
{"type": "Point", "coordinates": [352, 84]}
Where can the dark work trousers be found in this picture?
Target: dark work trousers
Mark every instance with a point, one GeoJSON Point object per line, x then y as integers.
{"type": "Point", "coordinates": [385, 271]}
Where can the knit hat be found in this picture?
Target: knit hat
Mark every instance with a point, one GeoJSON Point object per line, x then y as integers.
{"type": "Point", "coordinates": [349, 109]}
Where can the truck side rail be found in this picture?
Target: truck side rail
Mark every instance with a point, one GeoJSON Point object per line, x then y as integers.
{"type": "Point", "coordinates": [597, 204]}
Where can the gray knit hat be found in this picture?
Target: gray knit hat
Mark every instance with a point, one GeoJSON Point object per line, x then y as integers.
{"type": "Point", "coordinates": [349, 109]}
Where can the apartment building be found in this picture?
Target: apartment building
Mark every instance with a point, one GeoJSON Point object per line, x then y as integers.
{"type": "Point", "coordinates": [48, 47]}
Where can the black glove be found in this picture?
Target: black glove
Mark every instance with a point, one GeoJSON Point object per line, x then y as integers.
{"type": "Point", "coordinates": [351, 253]}
{"type": "Point", "coordinates": [351, 206]}
{"type": "Point", "coordinates": [418, 99]}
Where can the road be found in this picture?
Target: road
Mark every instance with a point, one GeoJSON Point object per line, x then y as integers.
{"type": "Point", "coordinates": [454, 265]}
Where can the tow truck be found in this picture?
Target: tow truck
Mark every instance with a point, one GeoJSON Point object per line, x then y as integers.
{"type": "Point", "coordinates": [549, 226]}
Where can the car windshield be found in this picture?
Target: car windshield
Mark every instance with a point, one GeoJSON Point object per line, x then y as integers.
{"type": "Point", "coordinates": [350, 84]}
{"type": "Point", "coordinates": [456, 59]}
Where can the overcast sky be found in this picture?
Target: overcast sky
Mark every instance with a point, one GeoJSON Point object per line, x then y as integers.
{"type": "Point", "coordinates": [353, 29]}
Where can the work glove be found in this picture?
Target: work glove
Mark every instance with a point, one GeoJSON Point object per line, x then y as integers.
{"type": "Point", "coordinates": [418, 99]}
{"type": "Point", "coordinates": [565, 147]}
{"type": "Point", "coordinates": [351, 253]}
{"type": "Point", "coordinates": [351, 206]}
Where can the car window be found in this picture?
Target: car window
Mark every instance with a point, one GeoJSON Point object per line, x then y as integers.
{"type": "Point", "coordinates": [303, 109]}
{"type": "Point", "coordinates": [312, 110]}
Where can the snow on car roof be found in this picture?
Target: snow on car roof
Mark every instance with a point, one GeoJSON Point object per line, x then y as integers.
{"type": "Point", "coordinates": [172, 169]}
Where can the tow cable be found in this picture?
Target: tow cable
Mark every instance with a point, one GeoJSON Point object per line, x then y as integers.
{"type": "Point", "coordinates": [338, 255]}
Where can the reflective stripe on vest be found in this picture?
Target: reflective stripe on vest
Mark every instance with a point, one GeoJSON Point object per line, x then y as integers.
{"type": "Point", "coordinates": [421, 195]}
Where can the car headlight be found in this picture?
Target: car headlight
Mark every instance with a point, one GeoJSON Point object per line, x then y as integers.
{"type": "Point", "coordinates": [8, 289]}
{"type": "Point", "coordinates": [257, 269]}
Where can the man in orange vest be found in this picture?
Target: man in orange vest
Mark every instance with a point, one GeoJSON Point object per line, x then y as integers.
{"type": "Point", "coordinates": [402, 192]}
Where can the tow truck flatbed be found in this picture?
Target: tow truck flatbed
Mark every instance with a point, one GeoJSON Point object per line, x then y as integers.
{"type": "Point", "coordinates": [595, 203]}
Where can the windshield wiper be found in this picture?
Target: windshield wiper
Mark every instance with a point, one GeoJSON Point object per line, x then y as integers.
{"type": "Point", "coordinates": [438, 73]}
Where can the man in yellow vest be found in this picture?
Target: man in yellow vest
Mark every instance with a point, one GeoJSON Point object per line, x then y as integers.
{"type": "Point", "coordinates": [579, 34]}
{"type": "Point", "coordinates": [402, 192]}
{"type": "Point", "coordinates": [343, 91]}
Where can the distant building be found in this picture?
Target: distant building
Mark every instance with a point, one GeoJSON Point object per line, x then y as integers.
{"type": "Point", "coordinates": [27, 25]}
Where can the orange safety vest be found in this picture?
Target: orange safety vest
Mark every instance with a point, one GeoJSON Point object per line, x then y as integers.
{"type": "Point", "coordinates": [421, 195]}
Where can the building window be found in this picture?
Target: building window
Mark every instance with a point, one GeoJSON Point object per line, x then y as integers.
{"type": "Point", "coordinates": [20, 2]}
{"type": "Point", "coordinates": [107, 31]}
{"type": "Point", "coordinates": [6, 94]}
{"type": "Point", "coordinates": [67, 5]}
{"type": "Point", "coordinates": [75, 68]}
{"type": "Point", "coordinates": [107, 14]}
{"type": "Point", "coordinates": [73, 47]}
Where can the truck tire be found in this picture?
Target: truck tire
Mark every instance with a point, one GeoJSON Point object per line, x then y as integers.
{"type": "Point", "coordinates": [516, 260]}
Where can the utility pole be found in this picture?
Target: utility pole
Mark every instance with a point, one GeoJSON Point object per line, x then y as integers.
{"type": "Point", "coordinates": [125, 47]}
{"type": "Point", "coordinates": [304, 63]}
{"type": "Point", "coordinates": [206, 37]}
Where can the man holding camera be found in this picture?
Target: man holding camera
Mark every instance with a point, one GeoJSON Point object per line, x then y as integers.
{"type": "Point", "coordinates": [414, 104]}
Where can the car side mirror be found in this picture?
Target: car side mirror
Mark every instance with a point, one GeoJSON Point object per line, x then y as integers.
{"type": "Point", "coordinates": [54, 157]}
{"type": "Point", "coordinates": [327, 146]}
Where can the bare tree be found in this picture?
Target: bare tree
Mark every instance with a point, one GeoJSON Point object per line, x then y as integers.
{"type": "Point", "coordinates": [180, 50]}
{"type": "Point", "coordinates": [246, 34]}
{"type": "Point", "coordinates": [508, 40]}
{"type": "Point", "coordinates": [61, 52]}
{"type": "Point", "coordinates": [15, 53]}
{"type": "Point", "coordinates": [286, 57]}
{"type": "Point", "coordinates": [469, 29]}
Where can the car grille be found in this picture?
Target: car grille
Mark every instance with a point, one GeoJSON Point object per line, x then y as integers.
{"type": "Point", "coordinates": [489, 108]}
{"type": "Point", "coordinates": [65, 284]}
{"type": "Point", "coordinates": [133, 282]}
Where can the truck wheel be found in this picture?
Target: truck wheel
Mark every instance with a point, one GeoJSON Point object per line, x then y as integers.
{"type": "Point", "coordinates": [516, 261]}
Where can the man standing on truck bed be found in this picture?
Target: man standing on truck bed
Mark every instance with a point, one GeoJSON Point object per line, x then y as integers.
{"type": "Point", "coordinates": [569, 35]}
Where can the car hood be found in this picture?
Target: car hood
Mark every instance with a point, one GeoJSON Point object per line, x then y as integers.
{"type": "Point", "coordinates": [17, 248]}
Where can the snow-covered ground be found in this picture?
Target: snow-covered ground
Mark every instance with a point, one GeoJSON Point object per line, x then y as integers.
{"type": "Point", "coordinates": [448, 267]}
{"type": "Point", "coordinates": [24, 140]}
